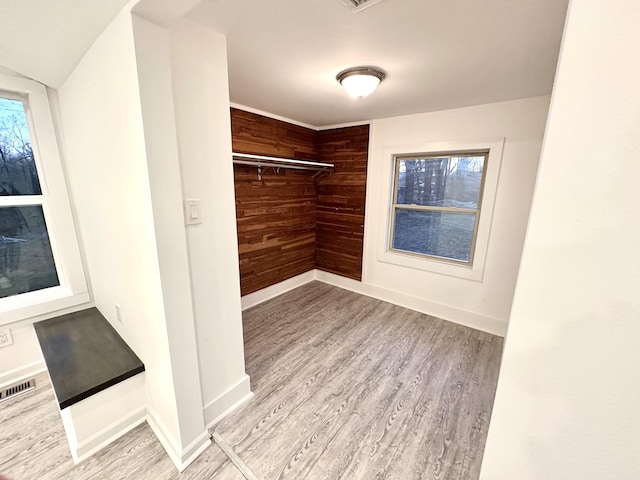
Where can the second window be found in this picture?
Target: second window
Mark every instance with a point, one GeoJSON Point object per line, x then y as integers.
{"type": "Point", "coordinates": [436, 204]}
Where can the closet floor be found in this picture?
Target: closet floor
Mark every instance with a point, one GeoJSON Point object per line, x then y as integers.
{"type": "Point", "coordinates": [347, 386]}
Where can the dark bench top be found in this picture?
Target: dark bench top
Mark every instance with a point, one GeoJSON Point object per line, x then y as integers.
{"type": "Point", "coordinates": [84, 355]}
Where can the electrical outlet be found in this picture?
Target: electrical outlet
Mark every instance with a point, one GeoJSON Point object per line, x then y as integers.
{"type": "Point", "coordinates": [119, 314]}
{"type": "Point", "coordinates": [5, 338]}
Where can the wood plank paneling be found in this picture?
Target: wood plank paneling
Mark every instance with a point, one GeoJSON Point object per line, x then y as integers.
{"type": "Point", "coordinates": [258, 135]}
{"type": "Point", "coordinates": [288, 225]}
{"type": "Point", "coordinates": [276, 216]}
{"type": "Point", "coordinates": [341, 200]}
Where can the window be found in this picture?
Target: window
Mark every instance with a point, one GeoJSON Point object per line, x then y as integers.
{"type": "Point", "coordinates": [26, 258]}
{"type": "Point", "coordinates": [436, 204]}
{"type": "Point", "coordinates": [40, 267]}
{"type": "Point", "coordinates": [420, 244]}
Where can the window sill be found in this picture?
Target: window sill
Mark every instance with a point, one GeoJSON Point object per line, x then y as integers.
{"type": "Point", "coordinates": [42, 302]}
{"type": "Point", "coordinates": [431, 265]}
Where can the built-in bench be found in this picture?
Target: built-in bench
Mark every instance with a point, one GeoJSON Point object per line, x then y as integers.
{"type": "Point", "coordinates": [95, 377]}
{"type": "Point", "coordinates": [84, 355]}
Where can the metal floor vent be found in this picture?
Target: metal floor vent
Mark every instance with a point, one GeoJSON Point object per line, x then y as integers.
{"type": "Point", "coordinates": [16, 389]}
{"type": "Point", "coordinates": [358, 5]}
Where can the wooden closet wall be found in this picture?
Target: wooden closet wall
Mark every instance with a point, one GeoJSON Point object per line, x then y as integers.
{"type": "Point", "coordinates": [289, 223]}
{"type": "Point", "coordinates": [340, 200]}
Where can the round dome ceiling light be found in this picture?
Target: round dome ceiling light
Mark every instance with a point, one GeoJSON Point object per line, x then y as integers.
{"type": "Point", "coordinates": [360, 81]}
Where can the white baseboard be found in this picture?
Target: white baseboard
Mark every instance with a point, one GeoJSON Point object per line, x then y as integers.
{"type": "Point", "coordinates": [214, 411]}
{"type": "Point", "coordinates": [23, 372]}
{"type": "Point", "coordinates": [253, 299]}
{"type": "Point", "coordinates": [194, 449]}
{"type": "Point", "coordinates": [467, 318]}
{"type": "Point", "coordinates": [166, 439]}
{"type": "Point", "coordinates": [107, 435]}
{"type": "Point", "coordinates": [180, 457]}
{"type": "Point", "coordinates": [227, 402]}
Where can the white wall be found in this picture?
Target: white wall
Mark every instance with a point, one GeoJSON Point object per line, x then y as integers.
{"type": "Point", "coordinates": [569, 387]}
{"type": "Point", "coordinates": [154, 77]}
{"type": "Point", "coordinates": [22, 358]}
{"type": "Point", "coordinates": [121, 131]}
{"type": "Point", "coordinates": [106, 163]}
{"type": "Point", "coordinates": [482, 304]}
{"type": "Point", "coordinates": [201, 99]}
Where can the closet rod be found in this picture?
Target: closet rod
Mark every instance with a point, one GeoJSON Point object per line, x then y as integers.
{"type": "Point", "coordinates": [261, 160]}
{"type": "Point", "coordinates": [254, 163]}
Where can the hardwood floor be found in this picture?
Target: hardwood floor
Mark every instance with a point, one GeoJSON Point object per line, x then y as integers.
{"type": "Point", "coordinates": [33, 446]}
{"type": "Point", "coordinates": [346, 387]}
{"type": "Point", "coordinates": [352, 387]}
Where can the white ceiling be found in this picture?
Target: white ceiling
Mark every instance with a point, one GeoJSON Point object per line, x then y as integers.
{"type": "Point", "coordinates": [45, 39]}
{"type": "Point", "coordinates": [438, 54]}
{"type": "Point", "coordinates": [284, 54]}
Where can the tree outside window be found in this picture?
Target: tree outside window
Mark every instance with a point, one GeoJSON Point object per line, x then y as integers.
{"type": "Point", "coordinates": [436, 205]}
{"type": "Point", "coordinates": [26, 258]}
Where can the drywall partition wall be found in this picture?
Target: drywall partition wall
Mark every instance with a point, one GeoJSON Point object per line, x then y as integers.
{"type": "Point", "coordinates": [22, 358]}
{"type": "Point", "coordinates": [276, 216]}
{"type": "Point", "coordinates": [341, 200]}
{"type": "Point", "coordinates": [201, 103]}
{"type": "Point", "coordinates": [483, 303]}
{"type": "Point", "coordinates": [152, 47]}
{"type": "Point", "coordinates": [567, 399]}
{"type": "Point", "coordinates": [105, 157]}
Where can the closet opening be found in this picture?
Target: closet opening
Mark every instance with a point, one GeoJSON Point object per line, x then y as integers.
{"type": "Point", "coordinates": [300, 199]}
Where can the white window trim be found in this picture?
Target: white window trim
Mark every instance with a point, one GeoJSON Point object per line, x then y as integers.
{"type": "Point", "coordinates": [72, 290]}
{"type": "Point", "coordinates": [471, 272]}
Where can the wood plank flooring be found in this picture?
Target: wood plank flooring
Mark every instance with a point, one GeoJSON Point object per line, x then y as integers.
{"type": "Point", "coordinates": [352, 387]}
{"type": "Point", "coordinates": [347, 387]}
{"type": "Point", "coordinates": [33, 446]}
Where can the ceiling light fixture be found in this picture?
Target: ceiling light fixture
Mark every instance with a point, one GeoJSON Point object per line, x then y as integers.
{"type": "Point", "coordinates": [360, 81]}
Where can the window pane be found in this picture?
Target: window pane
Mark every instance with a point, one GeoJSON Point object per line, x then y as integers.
{"type": "Point", "coordinates": [26, 260]}
{"type": "Point", "coordinates": [441, 234]}
{"type": "Point", "coordinates": [440, 182]}
{"type": "Point", "coordinates": [18, 174]}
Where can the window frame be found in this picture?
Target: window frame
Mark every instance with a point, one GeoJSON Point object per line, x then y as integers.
{"type": "Point", "coordinates": [386, 187]}
{"type": "Point", "coordinates": [428, 208]}
{"type": "Point", "coordinates": [56, 207]}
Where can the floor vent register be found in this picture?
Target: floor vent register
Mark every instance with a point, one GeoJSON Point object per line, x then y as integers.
{"type": "Point", "coordinates": [16, 389]}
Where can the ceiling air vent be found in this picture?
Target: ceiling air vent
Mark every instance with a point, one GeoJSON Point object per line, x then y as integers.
{"type": "Point", "coordinates": [358, 5]}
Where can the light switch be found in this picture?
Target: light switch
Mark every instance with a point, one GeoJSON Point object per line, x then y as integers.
{"type": "Point", "coordinates": [192, 211]}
